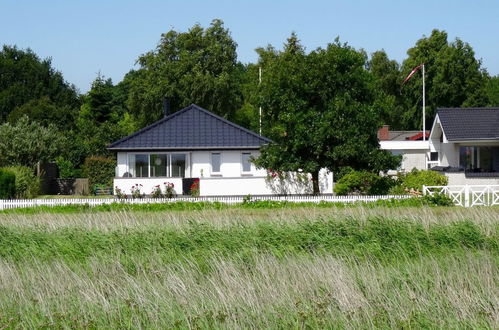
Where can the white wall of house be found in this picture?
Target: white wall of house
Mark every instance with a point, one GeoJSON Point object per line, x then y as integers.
{"type": "Point", "coordinates": [414, 153]}
{"type": "Point", "coordinates": [461, 179]}
{"type": "Point", "coordinates": [290, 184]}
{"type": "Point", "coordinates": [232, 179]}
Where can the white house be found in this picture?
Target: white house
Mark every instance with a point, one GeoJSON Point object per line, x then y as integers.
{"type": "Point", "coordinates": [463, 145]}
{"type": "Point", "coordinates": [194, 143]}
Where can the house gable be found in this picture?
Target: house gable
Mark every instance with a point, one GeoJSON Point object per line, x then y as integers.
{"type": "Point", "coordinates": [192, 128]}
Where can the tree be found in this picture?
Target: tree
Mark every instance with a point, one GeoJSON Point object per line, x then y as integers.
{"type": "Point", "coordinates": [492, 90]}
{"type": "Point", "coordinates": [197, 66]}
{"type": "Point", "coordinates": [24, 78]}
{"type": "Point", "coordinates": [454, 78]}
{"type": "Point", "coordinates": [319, 110]}
{"type": "Point", "coordinates": [27, 142]}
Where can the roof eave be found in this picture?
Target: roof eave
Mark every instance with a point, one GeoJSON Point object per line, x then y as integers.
{"type": "Point", "coordinates": [186, 148]}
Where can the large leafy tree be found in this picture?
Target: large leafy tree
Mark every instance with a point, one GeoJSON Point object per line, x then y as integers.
{"type": "Point", "coordinates": [454, 78]}
{"type": "Point", "coordinates": [27, 142]}
{"type": "Point", "coordinates": [198, 66]}
{"type": "Point", "coordinates": [24, 79]}
{"type": "Point", "coordinates": [319, 110]}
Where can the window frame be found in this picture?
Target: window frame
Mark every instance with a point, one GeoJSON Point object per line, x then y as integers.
{"type": "Point", "coordinates": [169, 164]}
{"type": "Point", "coordinates": [212, 172]}
{"type": "Point", "coordinates": [243, 172]}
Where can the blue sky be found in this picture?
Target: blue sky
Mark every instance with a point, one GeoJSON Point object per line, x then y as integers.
{"type": "Point", "coordinates": [85, 37]}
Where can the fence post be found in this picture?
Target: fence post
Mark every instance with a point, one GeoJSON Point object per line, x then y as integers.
{"type": "Point", "coordinates": [466, 196]}
{"type": "Point", "coordinates": [1, 204]}
{"type": "Point", "coordinates": [424, 190]}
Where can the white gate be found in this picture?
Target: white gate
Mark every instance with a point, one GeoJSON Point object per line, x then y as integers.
{"type": "Point", "coordinates": [467, 195]}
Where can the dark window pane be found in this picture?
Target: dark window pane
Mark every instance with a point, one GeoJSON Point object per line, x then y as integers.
{"type": "Point", "coordinates": [139, 165]}
{"type": "Point", "coordinates": [434, 156]}
{"type": "Point", "coordinates": [178, 165]}
{"type": "Point", "coordinates": [159, 165]}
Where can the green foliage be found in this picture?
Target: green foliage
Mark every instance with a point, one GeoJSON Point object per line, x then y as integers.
{"type": "Point", "coordinates": [27, 143]}
{"type": "Point", "coordinates": [198, 66]}
{"type": "Point", "coordinates": [99, 170]}
{"type": "Point", "coordinates": [28, 85]}
{"type": "Point", "coordinates": [454, 77]}
{"type": "Point", "coordinates": [438, 200]}
{"type": "Point", "coordinates": [66, 169]}
{"type": "Point", "coordinates": [363, 183]}
{"type": "Point", "coordinates": [316, 121]}
{"type": "Point", "coordinates": [27, 185]}
{"type": "Point", "coordinates": [7, 184]}
{"type": "Point", "coordinates": [417, 178]}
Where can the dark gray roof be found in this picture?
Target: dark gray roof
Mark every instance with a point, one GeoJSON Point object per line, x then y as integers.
{"type": "Point", "coordinates": [462, 124]}
{"type": "Point", "coordinates": [189, 129]}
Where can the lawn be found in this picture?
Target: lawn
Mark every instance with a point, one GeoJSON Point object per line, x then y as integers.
{"type": "Point", "coordinates": [243, 267]}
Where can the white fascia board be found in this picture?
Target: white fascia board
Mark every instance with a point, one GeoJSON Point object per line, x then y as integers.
{"type": "Point", "coordinates": [404, 145]}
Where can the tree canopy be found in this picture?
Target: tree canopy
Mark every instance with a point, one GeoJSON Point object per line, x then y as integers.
{"type": "Point", "coordinates": [198, 66]}
{"type": "Point", "coordinates": [319, 110]}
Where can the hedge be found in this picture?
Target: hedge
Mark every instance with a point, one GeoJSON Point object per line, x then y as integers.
{"type": "Point", "coordinates": [99, 170]}
{"type": "Point", "coordinates": [7, 184]}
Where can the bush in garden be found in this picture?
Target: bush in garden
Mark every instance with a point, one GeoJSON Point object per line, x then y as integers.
{"type": "Point", "coordinates": [169, 190]}
{"type": "Point", "coordinates": [195, 188]}
{"type": "Point", "coordinates": [156, 192]}
{"type": "Point", "coordinates": [99, 170]}
{"type": "Point", "coordinates": [415, 179]}
{"type": "Point", "coordinates": [28, 185]}
{"type": "Point", "coordinates": [66, 169]}
{"type": "Point", "coordinates": [363, 183]}
{"type": "Point", "coordinates": [7, 184]}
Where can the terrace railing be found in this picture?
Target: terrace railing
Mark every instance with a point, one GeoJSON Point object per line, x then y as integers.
{"type": "Point", "coordinates": [20, 203]}
{"type": "Point", "coordinates": [467, 195]}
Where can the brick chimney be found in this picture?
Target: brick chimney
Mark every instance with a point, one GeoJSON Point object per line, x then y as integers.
{"type": "Point", "coordinates": [383, 134]}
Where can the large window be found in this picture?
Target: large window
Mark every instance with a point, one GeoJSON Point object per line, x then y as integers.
{"type": "Point", "coordinates": [138, 165]}
{"type": "Point", "coordinates": [479, 159]}
{"type": "Point", "coordinates": [156, 165]}
{"type": "Point", "coordinates": [216, 162]}
{"type": "Point", "coordinates": [178, 165]}
{"type": "Point", "coordinates": [159, 165]}
{"type": "Point", "coordinates": [246, 160]}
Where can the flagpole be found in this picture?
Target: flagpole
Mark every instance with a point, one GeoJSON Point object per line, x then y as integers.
{"type": "Point", "coordinates": [260, 108]}
{"type": "Point", "coordinates": [424, 114]}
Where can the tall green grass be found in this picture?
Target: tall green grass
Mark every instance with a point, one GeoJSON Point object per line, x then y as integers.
{"type": "Point", "coordinates": [303, 267]}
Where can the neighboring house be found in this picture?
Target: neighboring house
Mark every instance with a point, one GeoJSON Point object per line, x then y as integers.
{"type": "Point", "coordinates": [463, 145]}
{"type": "Point", "coordinates": [194, 143]}
{"type": "Point", "coordinates": [466, 141]}
{"type": "Point", "coordinates": [409, 144]}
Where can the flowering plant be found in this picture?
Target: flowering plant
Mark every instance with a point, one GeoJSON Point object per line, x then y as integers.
{"type": "Point", "coordinates": [156, 192]}
{"type": "Point", "coordinates": [119, 193]}
{"type": "Point", "coordinates": [195, 188]}
{"type": "Point", "coordinates": [135, 190]}
{"type": "Point", "coordinates": [169, 191]}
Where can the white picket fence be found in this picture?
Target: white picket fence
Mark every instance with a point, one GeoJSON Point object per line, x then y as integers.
{"type": "Point", "coordinates": [467, 195]}
{"type": "Point", "coordinates": [19, 203]}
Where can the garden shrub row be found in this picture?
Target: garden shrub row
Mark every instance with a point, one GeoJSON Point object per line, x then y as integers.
{"type": "Point", "coordinates": [369, 183]}
{"type": "Point", "coordinates": [19, 182]}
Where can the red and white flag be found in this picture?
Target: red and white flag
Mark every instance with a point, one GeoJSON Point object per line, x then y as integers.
{"type": "Point", "coordinates": [411, 74]}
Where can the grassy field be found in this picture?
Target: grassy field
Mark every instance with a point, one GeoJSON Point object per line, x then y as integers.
{"type": "Point", "coordinates": [242, 267]}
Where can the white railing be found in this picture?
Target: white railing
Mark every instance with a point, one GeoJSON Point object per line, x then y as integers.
{"type": "Point", "coordinates": [467, 195]}
{"type": "Point", "coordinates": [20, 203]}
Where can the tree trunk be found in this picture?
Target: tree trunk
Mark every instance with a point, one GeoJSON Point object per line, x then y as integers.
{"type": "Point", "coordinates": [315, 182]}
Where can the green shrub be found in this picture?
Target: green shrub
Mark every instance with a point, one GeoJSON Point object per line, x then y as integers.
{"type": "Point", "coordinates": [99, 170]}
{"type": "Point", "coordinates": [415, 179]}
{"type": "Point", "coordinates": [438, 200]}
{"type": "Point", "coordinates": [363, 183]}
{"type": "Point", "coordinates": [28, 185]}
{"type": "Point", "coordinates": [67, 170]}
{"type": "Point", "coordinates": [7, 184]}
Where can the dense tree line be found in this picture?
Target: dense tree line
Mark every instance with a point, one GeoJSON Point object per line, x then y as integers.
{"type": "Point", "coordinates": [322, 108]}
